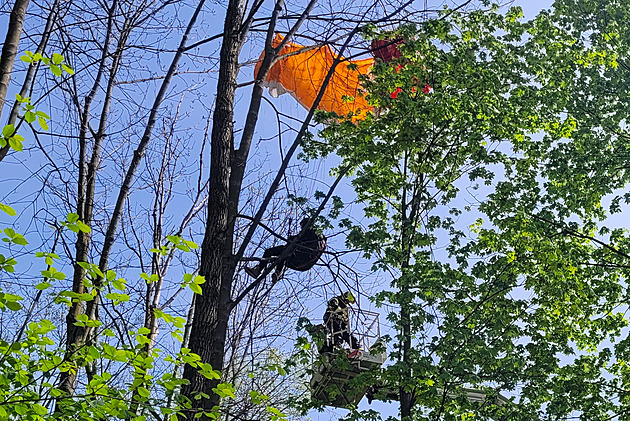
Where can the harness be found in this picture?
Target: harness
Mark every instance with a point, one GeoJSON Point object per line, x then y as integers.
{"type": "Point", "coordinates": [308, 251]}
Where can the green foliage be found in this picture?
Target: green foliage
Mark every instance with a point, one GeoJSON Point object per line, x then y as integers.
{"type": "Point", "coordinates": [74, 225]}
{"type": "Point", "coordinates": [31, 362]}
{"type": "Point", "coordinates": [122, 374]}
{"type": "Point", "coordinates": [13, 139]}
{"type": "Point", "coordinates": [13, 237]}
{"type": "Point", "coordinates": [30, 365]}
{"type": "Point", "coordinates": [527, 121]}
{"type": "Point", "coordinates": [193, 282]}
{"type": "Point", "coordinates": [9, 136]}
{"type": "Point", "coordinates": [7, 209]}
{"type": "Point", "coordinates": [7, 263]}
{"type": "Point", "coordinates": [56, 64]}
{"type": "Point", "coordinates": [173, 243]}
{"type": "Point", "coordinates": [30, 114]}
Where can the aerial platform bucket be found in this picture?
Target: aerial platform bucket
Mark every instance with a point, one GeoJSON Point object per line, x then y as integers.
{"type": "Point", "coordinates": [331, 381]}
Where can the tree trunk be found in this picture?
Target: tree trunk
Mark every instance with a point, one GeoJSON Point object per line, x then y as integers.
{"type": "Point", "coordinates": [406, 398]}
{"type": "Point", "coordinates": [406, 237]}
{"type": "Point", "coordinates": [85, 204]}
{"type": "Point", "coordinates": [9, 51]}
{"type": "Point", "coordinates": [210, 320]}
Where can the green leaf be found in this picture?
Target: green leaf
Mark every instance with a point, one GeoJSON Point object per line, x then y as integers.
{"type": "Point", "coordinates": [225, 390]}
{"type": "Point", "coordinates": [42, 123]}
{"type": "Point", "coordinates": [8, 130]}
{"type": "Point", "coordinates": [275, 411]}
{"type": "Point", "coordinates": [55, 70]}
{"type": "Point", "coordinates": [57, 58]}
{"type": "Point", "coordinates": [119, 284]}
{"type": "Point", "coordinates": [68, 69]}
{"type": "Point", "coordinates": [72, 217]}
{"type": "Point", "coordinates": [12, 305]}
{"type": "Point", "coordinates": [195, 288]}
{"type": "Point", "coordinates": [47, 365]}
{"type": "Point", "coordinates": [15, 144]}
{"type": "Point", "coordinates": [30, 117]}
{"type": "Point", "coordinates": [83, 227]}
{"type": "Point", "coordinates": [19, 239]}
{"type": "Point", "coordinates": [7, 209]}
{"type": "Point", "coordinates": [191, 244]}
{"type": "Point", "coordinates": [60, 276]}
{"type": "Point", "coordinates": [94, 352]}
{"type": "Point", "coordinates": [117, 298]}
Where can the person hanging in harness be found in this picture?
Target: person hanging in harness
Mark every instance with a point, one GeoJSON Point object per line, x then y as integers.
{"type": "Point", "coordinates": [337, 323]}
{"type": "Point", "coordinates": [309, 248]}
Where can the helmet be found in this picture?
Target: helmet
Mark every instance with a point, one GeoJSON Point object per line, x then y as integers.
{"type": "Point", "coordinates": [349, 297]}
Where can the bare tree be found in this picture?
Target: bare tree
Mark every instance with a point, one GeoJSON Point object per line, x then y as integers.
{"type": "Point", "coordinates": [218, 259]}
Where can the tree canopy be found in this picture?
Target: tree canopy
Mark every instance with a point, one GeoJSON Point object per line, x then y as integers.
{"type": "Point", "coordinates": [484, 175]}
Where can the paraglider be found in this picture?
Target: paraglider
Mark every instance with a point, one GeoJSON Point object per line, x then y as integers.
{"type": "Point", "coordinates": [309, 248]}
{"type": "Point", "coordinates": [301, 72]}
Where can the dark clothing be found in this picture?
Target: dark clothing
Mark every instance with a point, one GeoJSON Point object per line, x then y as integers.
{"type": "Point", "coordinates": [307, 252]}
{"type": "Point", "coordinates": [336, 320]}
{"type": "Point", "coordinates": [337, 309]}
{"type": "Point", "coordinates": [273, 251]}
{"type": "Point", "coordinates": [337, 334]}
{"type": "Point", "coordinates": [309, 249]}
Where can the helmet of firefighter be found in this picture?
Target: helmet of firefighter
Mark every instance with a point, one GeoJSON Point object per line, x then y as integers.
{"type": "Point", "coordinates": [349, 297]}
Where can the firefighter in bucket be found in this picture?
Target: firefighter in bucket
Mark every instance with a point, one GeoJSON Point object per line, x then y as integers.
{"type": "Point", "coordinates": [337, 323]}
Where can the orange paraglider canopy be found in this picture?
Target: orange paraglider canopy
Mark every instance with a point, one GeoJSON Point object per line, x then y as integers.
{"type": "Point", "coordinates": [302, 74]}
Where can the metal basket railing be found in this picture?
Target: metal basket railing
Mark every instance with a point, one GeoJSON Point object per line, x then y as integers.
{"type": "Point", "coordinates": [365, 326]}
